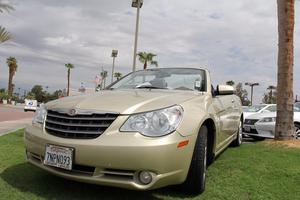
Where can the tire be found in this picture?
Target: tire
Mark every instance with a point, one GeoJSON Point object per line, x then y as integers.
{"type": "Point", "coordinates": [256, 138]}
{"type": "Point", "coordinates": [297, 131]}
{"type": "Point", "coordinates": [239, 138]}
{"type": "Point", "coordinates": [195, 181]}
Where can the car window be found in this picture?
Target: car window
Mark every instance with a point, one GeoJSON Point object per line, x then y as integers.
{"type": "Point", "coordinates": [255, 108]}
{"type": "Point", "coordinates": [297, 107]}
{"type": "Point", "coordinates": [271, 108]}
{"type": "Point", "coordinates": [164, 78]}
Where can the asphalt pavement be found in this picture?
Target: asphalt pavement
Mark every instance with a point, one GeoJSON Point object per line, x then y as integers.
{"type": "Point", "coordinates": [13, 118]}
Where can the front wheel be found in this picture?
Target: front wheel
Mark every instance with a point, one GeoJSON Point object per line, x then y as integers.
{"type": "Point", "coordinates": [195, 181]}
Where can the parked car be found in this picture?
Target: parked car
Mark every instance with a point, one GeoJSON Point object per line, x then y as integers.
{"type": "Point", "coordinates": [262, 125]}
{"type": "Point", "coordinates": [150, 129]}
{"type": "Point", "coordinates": [261, 108]}
{"type": "Point", "coordinates": [30, 105]}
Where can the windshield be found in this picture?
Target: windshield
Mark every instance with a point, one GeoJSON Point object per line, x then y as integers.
{"type": "Point", "coordinates": [164, 78]}
{"type": "Point", "coordinates": [255, 108]}
{"type": "Point", "coordinates": [297, 107]}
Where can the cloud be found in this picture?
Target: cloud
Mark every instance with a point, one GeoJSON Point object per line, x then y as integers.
{"type": "Point", "coordinates": [235, 40]}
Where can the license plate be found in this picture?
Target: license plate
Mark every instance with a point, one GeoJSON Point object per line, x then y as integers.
{"type": "Point", "coordinates": [57, 156]}
{"type": "Point", "coordinates": [247, 128]}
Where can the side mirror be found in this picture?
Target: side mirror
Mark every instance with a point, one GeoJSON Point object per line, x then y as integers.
{"type": "Point", "coordinates": [225, 90]}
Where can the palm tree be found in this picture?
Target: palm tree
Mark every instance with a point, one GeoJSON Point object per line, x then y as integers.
{"type": "Point", "coordinates": [13, 66]}
{"type": "Point", "coordinates": [286, 19]}
{"type": "Point", "coordinates": [4, 35]}
{"type": "Point", "coordinates": [118, 75]}
{"type": "Point", "coordinates": [69, 66]}
{"type": "Point", "coordinates": [145, 57]}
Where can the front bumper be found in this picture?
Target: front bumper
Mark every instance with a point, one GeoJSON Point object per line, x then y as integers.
{"type": "Point", "coordinates": [115, 158]}
{"type": "Point", "coordinates": [265, 129]}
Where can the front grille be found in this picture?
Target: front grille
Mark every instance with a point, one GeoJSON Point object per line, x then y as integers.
{"type": "Point", "coordinates": [80, 126]}
{"type": "Point", "coordinates": [250, 121]}
{"type": "Point", "coordinates": [253, 131]}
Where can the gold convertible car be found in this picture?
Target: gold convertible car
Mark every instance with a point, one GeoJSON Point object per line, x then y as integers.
{"type": "Point", "coordinates": [150, 129]}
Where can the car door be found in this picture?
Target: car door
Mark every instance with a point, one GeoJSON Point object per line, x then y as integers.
{"type": "Point", "coordinates": [222, 109]}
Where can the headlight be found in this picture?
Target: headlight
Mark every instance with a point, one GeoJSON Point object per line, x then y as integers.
{"type": "Point", "coordinates": [40, 115]}
{"type": "Point", "coordinates": [268, 119]}
{"type": "Point", "coordinates": [154, 123]}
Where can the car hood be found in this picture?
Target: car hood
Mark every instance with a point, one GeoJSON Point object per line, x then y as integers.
{"type": "Point", "coordinates": [124, 101]}
{"type": "Point", "coordinates": [261, 115]}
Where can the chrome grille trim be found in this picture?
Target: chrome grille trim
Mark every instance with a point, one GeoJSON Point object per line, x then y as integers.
{"type": "Point", "coordinates": [77, 124]}
{"type": "Point", "coordinates": [80, 118]}
{"type": "Point", "coordinates": [83, 125]}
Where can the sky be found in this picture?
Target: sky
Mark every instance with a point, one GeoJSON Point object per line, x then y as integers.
{"type": "Point", "coordinates": [235, 40]}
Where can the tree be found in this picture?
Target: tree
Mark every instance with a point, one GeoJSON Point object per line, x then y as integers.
{"type": "Point", "coordinates": [145, 57]}
{"type": "Point", "coordinates": [270, 96]}
{"type": "Point", "coordinates": [284, 129]}
{"type": "Point", "coordinates": [12, 65]}
{"type": "Point", "coordinates": [39, 93]}
{"type": "Point", "coordinates": [30, 95]}
{"type": "Point", "coordinates": [243, 94]}
{"type": "Point", "coordinates": [118, 75]}
{"type": "Point", "coordinates": [3, 94]}
{"type": "Point", "coordinates": [231, 83]}
{"type": "Point", "coordinates": [69, 66]}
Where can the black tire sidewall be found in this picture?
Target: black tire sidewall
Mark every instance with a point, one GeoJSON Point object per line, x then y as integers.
{"type": "Point", "coordinates": [196, 178]}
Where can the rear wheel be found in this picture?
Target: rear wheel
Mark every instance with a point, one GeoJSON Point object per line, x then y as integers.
{"type": "Point", "coordinates": [195, 181]}
{"type": "Point", "coordinates": [239, 138]}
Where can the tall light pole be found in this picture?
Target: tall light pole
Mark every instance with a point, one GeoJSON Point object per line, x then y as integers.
{"type": "Point", "coordinates": [114, 54]}
{"type": "Point", "coordinates": [136, 4]}
{"type": "Point", "coordinates": [252, 85]}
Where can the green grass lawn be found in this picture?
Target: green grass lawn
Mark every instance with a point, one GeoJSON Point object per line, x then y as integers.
{"type": "Point", "coordinates": [253, 171]}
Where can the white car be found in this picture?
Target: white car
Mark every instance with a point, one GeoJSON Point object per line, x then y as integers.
{"type": "Point", "coordinates": [262, 125]}
{"type": "Point", "coordinates": [261, 108]}
{"type": "Point", "coordinates": [30, 105]}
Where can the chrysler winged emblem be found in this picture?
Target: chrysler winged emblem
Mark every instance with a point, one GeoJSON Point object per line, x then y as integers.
{"type": "Point", "coordinates": [72, 112]}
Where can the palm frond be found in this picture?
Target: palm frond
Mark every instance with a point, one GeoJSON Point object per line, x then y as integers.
{"type": "Point", "coordinates": [5, 7]}
{"type": "Point", "coordinates": [154, 63]}
{"type": "Point", "coordinates": [69, 66]}
{"type": "Point", "coordinates": [12, 63]}
{"type": "Point", "coordinates": [4, 35]}
{"type": "Point", "coordinates": [142, 56]}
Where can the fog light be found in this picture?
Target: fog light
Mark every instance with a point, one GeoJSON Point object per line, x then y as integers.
{"type": "Point", "coordinates": [145, 177]}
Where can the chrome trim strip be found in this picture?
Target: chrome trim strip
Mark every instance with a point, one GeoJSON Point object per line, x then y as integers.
{"type": "Point", "coordinates": [80, 118]}
{"type": "Point", "coordinates": [81, 111]}
{"type": "Point", "coordinates": [78, 125]}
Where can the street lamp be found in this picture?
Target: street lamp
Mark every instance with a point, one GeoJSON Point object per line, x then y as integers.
{"type": "Point", "coordinates": [114, 54]}
{"type": "Point", "coordinates": [136, 4]}
{"type": "Point", "coordinates": [252, 85]}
